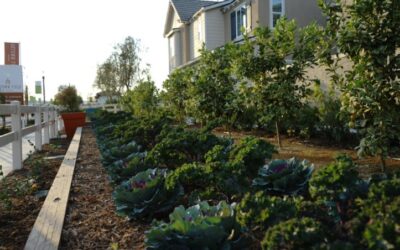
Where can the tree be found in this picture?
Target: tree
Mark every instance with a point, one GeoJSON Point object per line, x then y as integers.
{"type": "Point", "coordinates": [275, 62]}
{"type": "Point", "coordinates": [122, 70]}
{"type": "Point", "coordinates": [367, 33]}
{"type": "Point", "coordinates": [68, 98]}
{"type": "Point", "coordinates": [128, 63]}
{"type": "Point", "coordinates": [142, 100]}
{"type": "Point", "coordinates": [176, 96]}
{"type": "Point", "coordinates": [213, 90]}
{"type": "Point", "coordinates": [106, 79]}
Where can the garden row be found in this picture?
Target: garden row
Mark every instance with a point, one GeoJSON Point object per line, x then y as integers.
{"type": "Point", "coordinates": [220, 194]}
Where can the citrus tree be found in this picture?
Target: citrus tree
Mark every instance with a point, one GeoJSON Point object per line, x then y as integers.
{"type": "Point", "coordinates": [274, 61]}
{"type": "Point", "coordinates": [367, 33]}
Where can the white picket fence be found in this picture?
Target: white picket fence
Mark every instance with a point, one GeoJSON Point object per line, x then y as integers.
{"type": "Point", "coordinates": [49, 125]}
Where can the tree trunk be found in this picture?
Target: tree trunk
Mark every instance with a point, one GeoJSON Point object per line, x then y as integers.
{"type": "Point", "coordinates": [383, 163]}
{"type": "Point", "coordinates": [278, 136]}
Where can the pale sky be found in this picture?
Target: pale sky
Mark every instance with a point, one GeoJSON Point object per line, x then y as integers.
{"type": "Point", "coordinates": [66, 39]}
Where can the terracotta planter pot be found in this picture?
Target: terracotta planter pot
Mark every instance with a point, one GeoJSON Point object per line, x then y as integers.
{"type": "Point", "coordinates": [72, 121]}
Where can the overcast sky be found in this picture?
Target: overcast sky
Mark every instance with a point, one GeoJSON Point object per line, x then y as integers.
{"type": "Point", "coordinates": [66, 39]}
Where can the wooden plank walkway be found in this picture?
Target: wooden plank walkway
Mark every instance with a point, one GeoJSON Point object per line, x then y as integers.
{"type": "Point", "coordinates": [46, 232]}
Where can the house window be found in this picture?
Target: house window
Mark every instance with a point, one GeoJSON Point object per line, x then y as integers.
{"type": "Point", "coordinates": [277, 8]}
{"type": "Point", "coordinates": [238, 21]}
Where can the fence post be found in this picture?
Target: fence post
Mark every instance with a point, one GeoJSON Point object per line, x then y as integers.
{"type": "Point", "coordinates": [17, 144]}
{"type": "Point", "coordinates": [56, 121]}
{"type": "Point", "coordinates": [46, 127]}
{"type": "Point", "coordinates": [52, 122]}
{"type": "Point", "coordinates": [38, 132]}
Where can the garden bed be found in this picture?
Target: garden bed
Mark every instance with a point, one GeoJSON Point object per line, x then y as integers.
{"type": "Point", "coordinates": [91, 222]}
{"type": "Point", "coordinates": [319, 152]}
{"type": "Point", "coordinates": [22, 193]}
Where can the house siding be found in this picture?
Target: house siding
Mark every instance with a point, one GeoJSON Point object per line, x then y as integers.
{"type": "Point", "coordinates": [215, 30]}
{"type": "Point", "coordinates": [310, 12]}
{"type": "Point", "coordinates": [197, 42]}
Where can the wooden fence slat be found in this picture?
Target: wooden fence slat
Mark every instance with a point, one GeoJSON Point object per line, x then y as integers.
{"type": "Point", "coordinates": [46, 232]}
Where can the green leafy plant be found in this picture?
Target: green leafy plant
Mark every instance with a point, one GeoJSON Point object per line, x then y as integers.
{"type": "Point", "coordinates": [284, 176]}
{"type": "Point", "coordinates": [144, 195]}
{"type": "Point", "coordinates": [178, 146]}
{"type": "Point", "coordinates": [68, 98]}
{"type": "Point", "coordinates": [199, 227]}
{"type": "Point", "coordinates": [260, 211]}
{"type": "Point", "coordinates": [252, 153]}
{"type": "Point", "coordinates": [304, 233]}
{"type": "Point", "coordinates": [337, 181]}
{"type": "Point", "coordinates": [366, 31]}
{"type": "Point", "coordinates": [337, 185]}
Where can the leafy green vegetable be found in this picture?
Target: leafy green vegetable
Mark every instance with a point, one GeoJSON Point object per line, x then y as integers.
{"type": "Point", "coordinates": [337, 181]}
{"type": "Point", "coordinates": [252, 153]}
{"type": "Point", "coordinates": [284, 176]}
{"type": "Point", "coordinates": [261, 211]}
{"type": "Point", "coordinates": [304, 233]}
{"type": "Point", "coordinates": [199, 227]}
{"type": "Point", "coordinates": [144, 195]}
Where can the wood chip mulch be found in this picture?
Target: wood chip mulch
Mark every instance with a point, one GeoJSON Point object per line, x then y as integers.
{"type": "Point", "coordinates": [91, 221]}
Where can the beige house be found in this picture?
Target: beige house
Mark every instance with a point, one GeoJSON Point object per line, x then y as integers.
{"type": "Point", "coordinates": [192, 23]}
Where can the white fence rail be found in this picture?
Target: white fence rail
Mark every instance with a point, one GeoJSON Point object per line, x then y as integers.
{"type": "Point", "coordinates": [109, 107]}
{"type": "Point", "coordinates": [49, 125]}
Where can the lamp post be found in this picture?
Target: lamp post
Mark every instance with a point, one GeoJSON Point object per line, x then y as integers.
{"type": "Point", "coordinates": [44, 92]}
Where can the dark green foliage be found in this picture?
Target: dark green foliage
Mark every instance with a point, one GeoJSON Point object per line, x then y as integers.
{"type": "Point", "coordinates": [199, 227]}
{"type": "Point", "coordinates": [304, 233]}
{"type": "Point", "coordinates": [338, 181]}
{"type": "Point", "coordinates": [177, 146]}
{"type": "Point", "coordinates": [227, 172]}
{"type": "Point", "coordinates": [252, 153]}
{"type": "Point", "coordinates": [366, 32]}
{"type": "Point", "coordinates": [377, 224]}
{"type": "Point", "coordinates": [144, 195]}
{"type": "Point", "coordinates": [284, 176]}
{"type": "Point", "coordinates": [259, 211]}
{"type": "Point", "coordinates": [143, 99]}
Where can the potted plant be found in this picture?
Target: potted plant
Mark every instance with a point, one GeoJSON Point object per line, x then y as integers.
{"type": "Point", "coordinates": [69, 100]}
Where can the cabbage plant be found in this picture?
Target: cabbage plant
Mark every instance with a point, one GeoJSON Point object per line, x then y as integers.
{"type": "Point", "coordinates": [284, 176]}
{"type": "Point", "coordinates": [144, 195]}
{"type": "Point", "coordinates": [199, 227]}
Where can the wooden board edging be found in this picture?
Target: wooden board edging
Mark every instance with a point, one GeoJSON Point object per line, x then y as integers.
{"type": "Point", "coordinates": [46, 232]}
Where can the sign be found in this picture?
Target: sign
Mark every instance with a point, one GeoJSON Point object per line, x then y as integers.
{"type": "Point", "coordinates": [11, 53]}
{"type": "Point", "coordinates": [11, 79]}
{"type": "Point", "coordinates": [38, 87]}
{"type": "Point", "coordinates": [14, 97]}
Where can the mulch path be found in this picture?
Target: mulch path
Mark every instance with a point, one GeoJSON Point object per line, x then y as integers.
{"type": "Point", "coordinates": [19, 206]}
{"type": "Point", "coordinates": [91, 221]}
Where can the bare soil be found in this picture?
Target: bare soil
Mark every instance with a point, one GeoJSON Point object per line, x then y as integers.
{"type": "Point", "coordinates": [91, 221]}
{"type": "Point", "coordinates": [318, 152]}
{"type": "Point", "coordinates": [19, 203]}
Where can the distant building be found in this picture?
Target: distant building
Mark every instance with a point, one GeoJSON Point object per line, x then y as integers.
{"type": "Point", "coordinates": [192, 23]}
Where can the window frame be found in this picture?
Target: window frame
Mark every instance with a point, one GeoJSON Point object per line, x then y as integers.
{"type": "Point", "coordinates": [272, 12]}
{"type": "Point", "coordinates": [243, 8]}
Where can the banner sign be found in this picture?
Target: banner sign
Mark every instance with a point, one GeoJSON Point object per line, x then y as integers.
{"type": "Point", "coordinates": [38, 87]}
{"type": "Point", "coordinates": [14, 97]}
{"type": "Point", "coordinates": [11, 79]}
{"type": "Point", "coordinates": [11, 53]}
